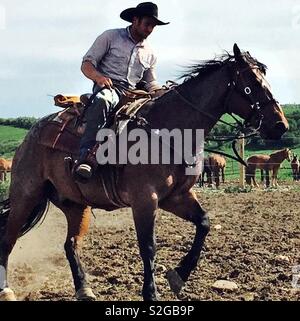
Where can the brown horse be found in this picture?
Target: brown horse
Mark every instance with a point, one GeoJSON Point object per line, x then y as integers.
{"type": "Point", "coordinates": [295, 165]}
{"type": "Point", "coordinates": [229, 84]}
{"type": "Point", "coordinates": [214, 166]}
{"type": "Point", "coordinates": [266, 163]}
{"type": "Point", "coordinates": [5, 167]}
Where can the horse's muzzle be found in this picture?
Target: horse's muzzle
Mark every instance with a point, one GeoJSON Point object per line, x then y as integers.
{"type": "Point", "coordinates": [277, 131]}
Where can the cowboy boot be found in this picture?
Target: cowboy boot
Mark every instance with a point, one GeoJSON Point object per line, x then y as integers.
{"type": "Point", "coordinates": [86, 165]}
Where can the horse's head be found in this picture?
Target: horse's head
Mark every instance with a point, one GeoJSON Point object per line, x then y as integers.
{"type": "Point", "coordinates": [251, 96]}
{"type": "Point", "coordinates": [288, 154]}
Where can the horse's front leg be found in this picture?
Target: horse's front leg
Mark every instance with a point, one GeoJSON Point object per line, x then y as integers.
{"type": "Point", "coordinates": [187, 207]}
{"type": "Point", "coordinates": [144, 219]}
{"type": "Point", "coordinates": [275, 175]}
{"type": "Point", "coordinates": [267, 178]}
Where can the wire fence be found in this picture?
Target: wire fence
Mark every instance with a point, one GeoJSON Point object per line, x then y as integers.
{"type": "Point", "coordinates": [232, 171]}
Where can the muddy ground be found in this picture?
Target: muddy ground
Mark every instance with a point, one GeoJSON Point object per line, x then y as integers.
{"type": "Point", "coordinates": [256, 247]}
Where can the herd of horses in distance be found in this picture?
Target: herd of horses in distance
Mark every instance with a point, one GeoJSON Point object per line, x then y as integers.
{"type": "Point", "coordinates": [214, 168]}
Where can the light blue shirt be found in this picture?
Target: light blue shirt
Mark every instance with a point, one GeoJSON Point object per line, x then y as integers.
{"type": "Point", "coordinates": [116, 55]}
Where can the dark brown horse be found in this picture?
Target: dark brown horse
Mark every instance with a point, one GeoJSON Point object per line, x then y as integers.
{"type": "Point", "coordinates": [266, 163]}
{"type": "Point", "coordinates": [230, 84]}
{"type": "Point", "coordinates": [295, 165]}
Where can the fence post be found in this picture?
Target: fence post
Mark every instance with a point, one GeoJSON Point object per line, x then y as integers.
{"type": "Point", "coordinates": [242, 167]}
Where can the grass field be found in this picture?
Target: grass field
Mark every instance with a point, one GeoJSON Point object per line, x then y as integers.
{"type": "Point", "coordinates": [10, 139]}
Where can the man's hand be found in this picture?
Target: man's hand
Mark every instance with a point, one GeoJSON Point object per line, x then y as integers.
{"type": "Point", "coordinates": [92, 73]}
{"type": "Point", "coordinates": [103, 81]}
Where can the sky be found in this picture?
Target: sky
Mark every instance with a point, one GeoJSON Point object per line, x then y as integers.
{"type": "Point", "coordinates": [42, 44]}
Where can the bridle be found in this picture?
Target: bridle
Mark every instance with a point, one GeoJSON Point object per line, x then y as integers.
{"type": "Point", "coordinates": [246, 92]}
{"type": "Point", "coordinates": [237, 84]}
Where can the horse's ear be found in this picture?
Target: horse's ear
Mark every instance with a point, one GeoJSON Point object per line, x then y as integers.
{"type": "Point", "coordinates": [236, 51]}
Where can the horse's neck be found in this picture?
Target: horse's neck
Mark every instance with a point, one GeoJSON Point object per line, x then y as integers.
{"type": "Point", "coordinates": [280, 157]}
{"type": "Point", "coordinates": [207, 95]}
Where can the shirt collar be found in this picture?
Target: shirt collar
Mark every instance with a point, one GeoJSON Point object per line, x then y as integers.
{"type": "Point", "coordinates": [139, 44]}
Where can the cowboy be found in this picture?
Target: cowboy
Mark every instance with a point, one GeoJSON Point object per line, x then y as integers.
{"type": "Point", "coordinates": [117, 56]}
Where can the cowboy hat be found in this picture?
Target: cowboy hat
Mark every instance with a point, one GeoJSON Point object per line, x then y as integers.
{"type": "Point", "coordinates": [147, 9]}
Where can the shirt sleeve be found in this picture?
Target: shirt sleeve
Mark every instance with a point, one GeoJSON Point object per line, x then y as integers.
{"type": "Point", "coordinates": [98, 49]}
{"type": "Point", "coordinates": [150, 78]}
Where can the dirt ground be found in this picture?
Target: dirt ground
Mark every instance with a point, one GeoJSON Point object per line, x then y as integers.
{"type": "Point", "coordinates": [255, 246]}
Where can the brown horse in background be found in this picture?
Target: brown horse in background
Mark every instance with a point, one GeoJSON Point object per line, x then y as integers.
{"type": "Point", "coordinates": [266, 163]}
{"type": "Point", "coordinates": [5, 167]}
{"type": "Point", "coordinates": [225, 85]}
{"type": "Point", "coordinates": [214, 166]}
{"type": "Point", "coordinates": [295, 167]}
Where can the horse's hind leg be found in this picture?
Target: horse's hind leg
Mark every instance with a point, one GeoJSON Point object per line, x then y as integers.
{"type": "Point", "coordinates": [187, 207]}
{"type": "Point", "coordinates": [254, 180]}
{"type": "Point", "coordinates": [223, 174]}
{"type": "Point", "coordinates": [22, 204]}
{"type": "Point", "coordinates": [217, 177]}
{"type": "Point", "coordinates": [78, 218]}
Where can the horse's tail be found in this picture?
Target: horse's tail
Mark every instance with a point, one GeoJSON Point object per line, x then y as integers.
{"type": "Point", "coordinates": [38, 214]}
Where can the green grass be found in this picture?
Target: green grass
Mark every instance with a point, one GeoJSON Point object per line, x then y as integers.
{"type": "Point", "coordinates": [4, 186]}
{"type": "Point", "coordinates": [10, 139]}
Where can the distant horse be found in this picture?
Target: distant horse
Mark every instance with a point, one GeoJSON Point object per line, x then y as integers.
{"type": "Point", "coordinates": [5, 167]}
{"type": "Point", "coordinates": [229, 84]}
{"type": "Point", "coordinates": [266, 163]}
{"type": "Point", "coordinates": [295, 167]}
{"type": "Point", "coordinates": [214, 166]}
{"type": "Point", "coordinates": [205, 172]}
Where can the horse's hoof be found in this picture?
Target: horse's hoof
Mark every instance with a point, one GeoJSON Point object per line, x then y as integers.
{"type": "Point", "coordinates": [85, 294]}
{"type": "Point", "coordinates": [175, 281]}
{"type": "Point", "coordinates": [7, 294]}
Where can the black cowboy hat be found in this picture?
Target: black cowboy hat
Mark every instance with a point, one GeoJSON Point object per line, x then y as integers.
{"type": "Point", "coordinates": [147, 9]}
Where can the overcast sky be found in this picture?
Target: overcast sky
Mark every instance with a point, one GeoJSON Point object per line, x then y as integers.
{"type": "Point", "coordinates": [42, 43]}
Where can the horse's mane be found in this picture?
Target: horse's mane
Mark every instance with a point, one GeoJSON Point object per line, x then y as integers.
{"type": "Point", "coordinates": [204, 67]}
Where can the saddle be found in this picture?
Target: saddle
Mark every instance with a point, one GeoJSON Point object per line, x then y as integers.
{"type": "Point", "coordinates": [64, 129]}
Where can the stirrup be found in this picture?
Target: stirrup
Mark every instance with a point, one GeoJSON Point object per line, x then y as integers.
{"type": "Point", "coordinates": [82, 172]}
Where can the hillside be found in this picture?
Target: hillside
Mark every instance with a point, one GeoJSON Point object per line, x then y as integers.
{"type": "Point", "coordinates": [10, 139]}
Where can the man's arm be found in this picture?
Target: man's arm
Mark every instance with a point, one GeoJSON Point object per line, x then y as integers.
{"type": "Point", "coordinates": [150, 79]}
{"type": "Point", "coordinates": [94, 56]}
{"type": "Point", "coordinates": [92, 73]}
